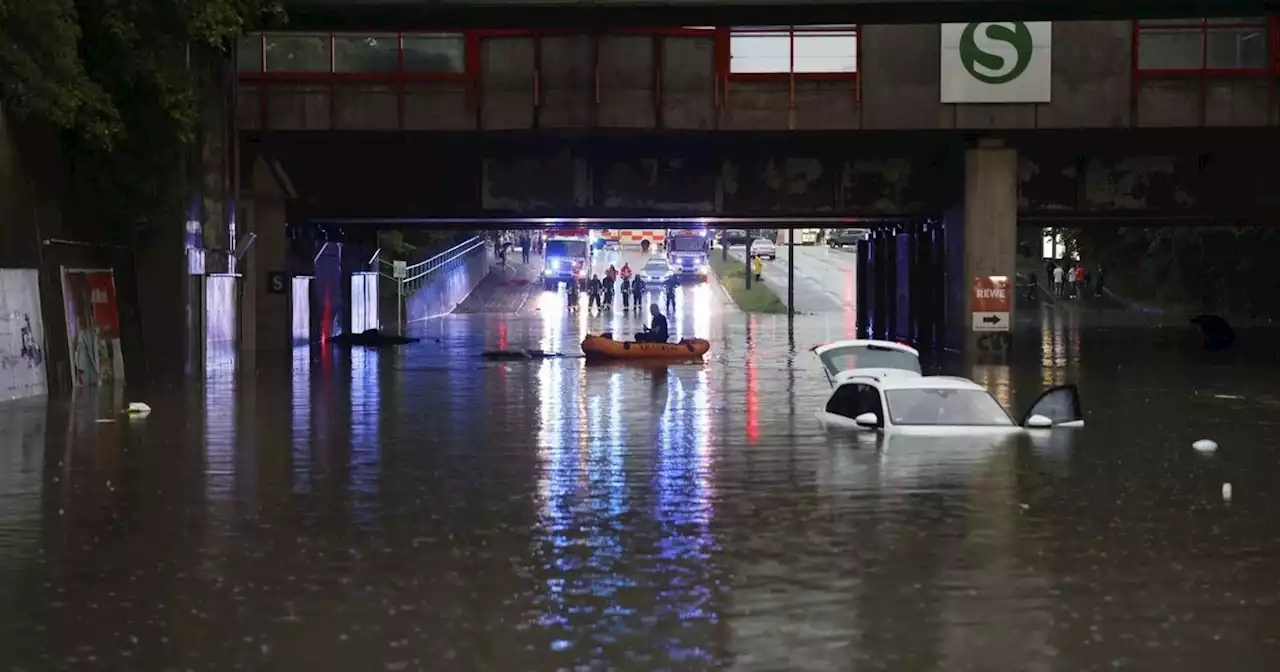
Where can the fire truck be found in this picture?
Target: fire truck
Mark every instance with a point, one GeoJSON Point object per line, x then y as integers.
{"type": "Point", "coordinates": [567, 257]}
{"type": "Point", "coordinates": [687, 252]}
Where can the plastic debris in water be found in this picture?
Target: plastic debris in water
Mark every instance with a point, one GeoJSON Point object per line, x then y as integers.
{"type": "Point", "coordinates": [137, 408]}
{"type": "Point", "coordinates": [1205, 445]}
{"type": "Point", "coordinates": [1226, 491]}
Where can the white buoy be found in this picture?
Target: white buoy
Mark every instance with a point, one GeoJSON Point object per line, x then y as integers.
{"type": "Point", "coordinates": [1226, 491]}
{"type": "Point", "coordinates": [137, 408]}
{"type": "Point", "coordinates": [1205, 445]}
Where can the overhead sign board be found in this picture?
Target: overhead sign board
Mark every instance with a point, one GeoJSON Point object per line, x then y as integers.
{"type": "Point", "coordinates": [991, 303]}
{"type": "Point", "coordinates": [998, 62]}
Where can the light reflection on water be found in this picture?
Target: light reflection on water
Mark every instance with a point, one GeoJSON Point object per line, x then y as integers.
{"type": "Point", "coordinates": [423, 509]}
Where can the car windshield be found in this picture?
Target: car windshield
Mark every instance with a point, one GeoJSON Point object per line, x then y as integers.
{"type": "Point", "coordinates": [685, 243]}
{"type": "Point", "coordinates": [762, 242]}
{"type": "Point", "coordinates": [567, 248]}
{"type": "Point", "coordinates": [869, 357]}
{"type": "Point", "coordinates": [656, 267]}
{"type": "Point", "coordinates": [923, 406]}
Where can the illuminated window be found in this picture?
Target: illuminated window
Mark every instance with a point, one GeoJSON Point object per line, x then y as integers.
{"type": "Point", "coordinates": [1202, 44]}
{"type": "Point", "coordinates": [782, 49]}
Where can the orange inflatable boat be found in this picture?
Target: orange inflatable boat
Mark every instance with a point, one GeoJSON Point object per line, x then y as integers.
{"type": "Point", "coordinates": [604, 347]}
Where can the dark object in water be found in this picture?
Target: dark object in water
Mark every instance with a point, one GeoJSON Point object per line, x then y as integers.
{"type": "Point", "coordinates": [515, 355]}
{"type": "Point", "coordinates": [1218, 334]}
{"type": "Point", "coordinates": [373, 338]}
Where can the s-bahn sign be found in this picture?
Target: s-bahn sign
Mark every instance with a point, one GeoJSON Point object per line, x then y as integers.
{"type": "Point", "coordinates": [1005, 62]}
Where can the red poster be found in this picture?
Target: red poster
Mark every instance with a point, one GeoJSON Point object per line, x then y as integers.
{"type": "Point", "coordinates": [102, 295]}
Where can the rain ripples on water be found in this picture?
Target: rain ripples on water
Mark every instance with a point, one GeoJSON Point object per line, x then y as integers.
{"type": "Point", "coordinates": [423, 509]}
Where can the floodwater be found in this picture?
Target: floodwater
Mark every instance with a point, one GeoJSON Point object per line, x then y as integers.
{"type": "Point", "coordinates": [422, 509]}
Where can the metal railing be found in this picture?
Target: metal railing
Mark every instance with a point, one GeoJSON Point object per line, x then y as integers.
{"type": "Point", "coordinates": [409, 278]}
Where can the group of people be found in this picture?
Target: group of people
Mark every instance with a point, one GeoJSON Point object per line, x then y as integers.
{"type": "Point", "coordinates": [526, 242]}
{"type": "Point", "coordinates": [600, 291]}
{"type": "Point", "coordinates": [1073, 281]}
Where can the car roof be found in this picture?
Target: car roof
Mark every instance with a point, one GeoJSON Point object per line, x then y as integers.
{"type": "Point", "coordinates": [864, 342]}
{"type": "Point", "coordinates": [878, 375]}
{"type": "Point", "coordinates": [929, 383]}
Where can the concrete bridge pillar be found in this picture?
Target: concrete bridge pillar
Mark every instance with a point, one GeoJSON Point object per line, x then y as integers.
{"type": "Point", "coordinates": [266, 313]}
{"type": "Point", "coordinates": [990, 236]}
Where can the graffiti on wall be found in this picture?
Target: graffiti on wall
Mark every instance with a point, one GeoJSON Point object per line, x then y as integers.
{"type": "Point", "coordinates": [22, 356]}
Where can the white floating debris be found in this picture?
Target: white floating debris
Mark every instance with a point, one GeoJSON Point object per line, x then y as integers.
{"type": "Point", "coordinates": [1205, 445]}
{"type": "Point", "coordinates": [105, 420]}
{"type": "Point", "coordinates": [1226, 491]}
{"type": "Point", "coordinates": [1228, 396]}
{"type": "Point", "coordinates": [137, 408]}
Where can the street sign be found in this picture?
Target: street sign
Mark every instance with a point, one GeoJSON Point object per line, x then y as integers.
{"type": "Point", "coordinates": [277, 282]}
{"type": "Point", "coordinates": [399, 270]}
{"type": "Point", "coordinates": [991, 321]}
{"type": "Point", "coordinates": [991, 303]}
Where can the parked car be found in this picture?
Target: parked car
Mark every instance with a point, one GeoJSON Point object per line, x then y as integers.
{"type": "Point", "coordinates": [735, 237]}
{"type": "Point", "coordinates": [764, 248]}
{"type": "Point", "coordinates": [838, 238]}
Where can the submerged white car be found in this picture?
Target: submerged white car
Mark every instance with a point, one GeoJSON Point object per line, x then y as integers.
{"type": "Point", "coordinates": [878, 386]}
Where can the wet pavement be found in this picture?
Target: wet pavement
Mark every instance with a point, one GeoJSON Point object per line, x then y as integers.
{"type": "Point", "coordinates": [825, 277]}
{"type": "Point", "coordinates": [421, 509]}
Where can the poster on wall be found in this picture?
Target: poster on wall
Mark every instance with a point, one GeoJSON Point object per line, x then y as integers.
{"type": "Point", "coordinates": [93, 327]}
{"type": "Point", "coordinates": [22, 347]}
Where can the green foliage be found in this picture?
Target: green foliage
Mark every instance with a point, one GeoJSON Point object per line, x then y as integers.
{"type": "Point", "coordinates": [1226, 270]}
{"type": "Point", "coordinates": [119, 79]}
{"type": "Point", "coordinates": [732, 275]}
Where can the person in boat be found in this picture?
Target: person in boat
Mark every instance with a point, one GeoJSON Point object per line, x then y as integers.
{"type": "Point", "coordinates": [637, 291]}
{"type": "Point", "coordinates": [671, 285]}
{"type": "Point", "coordinates": [593, 292]}
{"type": "Point", "coordinates": [656, 332]}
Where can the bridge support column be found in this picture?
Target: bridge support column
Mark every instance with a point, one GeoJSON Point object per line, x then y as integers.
{"type": "Point", "coordinates": [990, 236]}
{"type": "Point", "coordinates": [266, 312]}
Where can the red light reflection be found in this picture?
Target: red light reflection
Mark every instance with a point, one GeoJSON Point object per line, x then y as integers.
{"type": "Point", "coordinates": [502, 335]}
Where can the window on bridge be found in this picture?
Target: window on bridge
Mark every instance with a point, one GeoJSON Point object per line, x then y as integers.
{"type": "Point", "coordinates": [353, 53]}
{"type": "Point", "coordinates": [298, 52]}
{"type": "Point", "coordinates": [812, 50]}
{"type": "Point", "coordinates": [1203, 46]}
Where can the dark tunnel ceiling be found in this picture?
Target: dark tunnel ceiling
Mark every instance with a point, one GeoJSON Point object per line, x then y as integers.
{"type": "Point", "coordinates": [409, 14]}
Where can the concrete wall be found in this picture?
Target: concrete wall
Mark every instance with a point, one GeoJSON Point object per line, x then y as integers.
{"type": "Point", "coordinates": [1092, 88]}
{"type": "Point", "coordinates": [447, 289]}
{"type": "Point", "coordinates": [41, 228]}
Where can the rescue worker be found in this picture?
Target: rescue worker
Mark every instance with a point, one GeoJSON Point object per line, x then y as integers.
{"type": "Point", "coordinates": [606, 286]}
{"type": "Point", "coordinates": [759, 269]}
{"type": "Point", "coordinates": [593, 292]}
{"type": "Point", "coordinates": [656, 332]}
{"type": "Point", "coordinates": [671, 284]}
{"type": "Point", "coordinates": [571, 294]}
{"type": "Point", "coordinates": [637, 291]}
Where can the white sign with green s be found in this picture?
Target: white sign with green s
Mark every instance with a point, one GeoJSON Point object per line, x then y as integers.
{"type": "Point", "coordinates": [996, 62]}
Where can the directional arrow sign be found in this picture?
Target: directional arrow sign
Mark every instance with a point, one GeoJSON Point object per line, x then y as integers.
{"type": "Point", "coordinates": [991, 321]}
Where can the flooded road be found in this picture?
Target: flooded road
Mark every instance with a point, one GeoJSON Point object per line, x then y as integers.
{"type": "Point", "coordinates": [425, 510]}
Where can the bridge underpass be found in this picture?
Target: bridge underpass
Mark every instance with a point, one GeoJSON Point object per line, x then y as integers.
{"type": "Point", "coordinates": [936, 201]}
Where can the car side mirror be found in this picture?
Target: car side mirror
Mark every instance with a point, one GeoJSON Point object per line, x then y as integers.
{"type": "Point", "coordinates": [1039, 422]}
{"type": "Point", "coordinates": [867, 421]}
